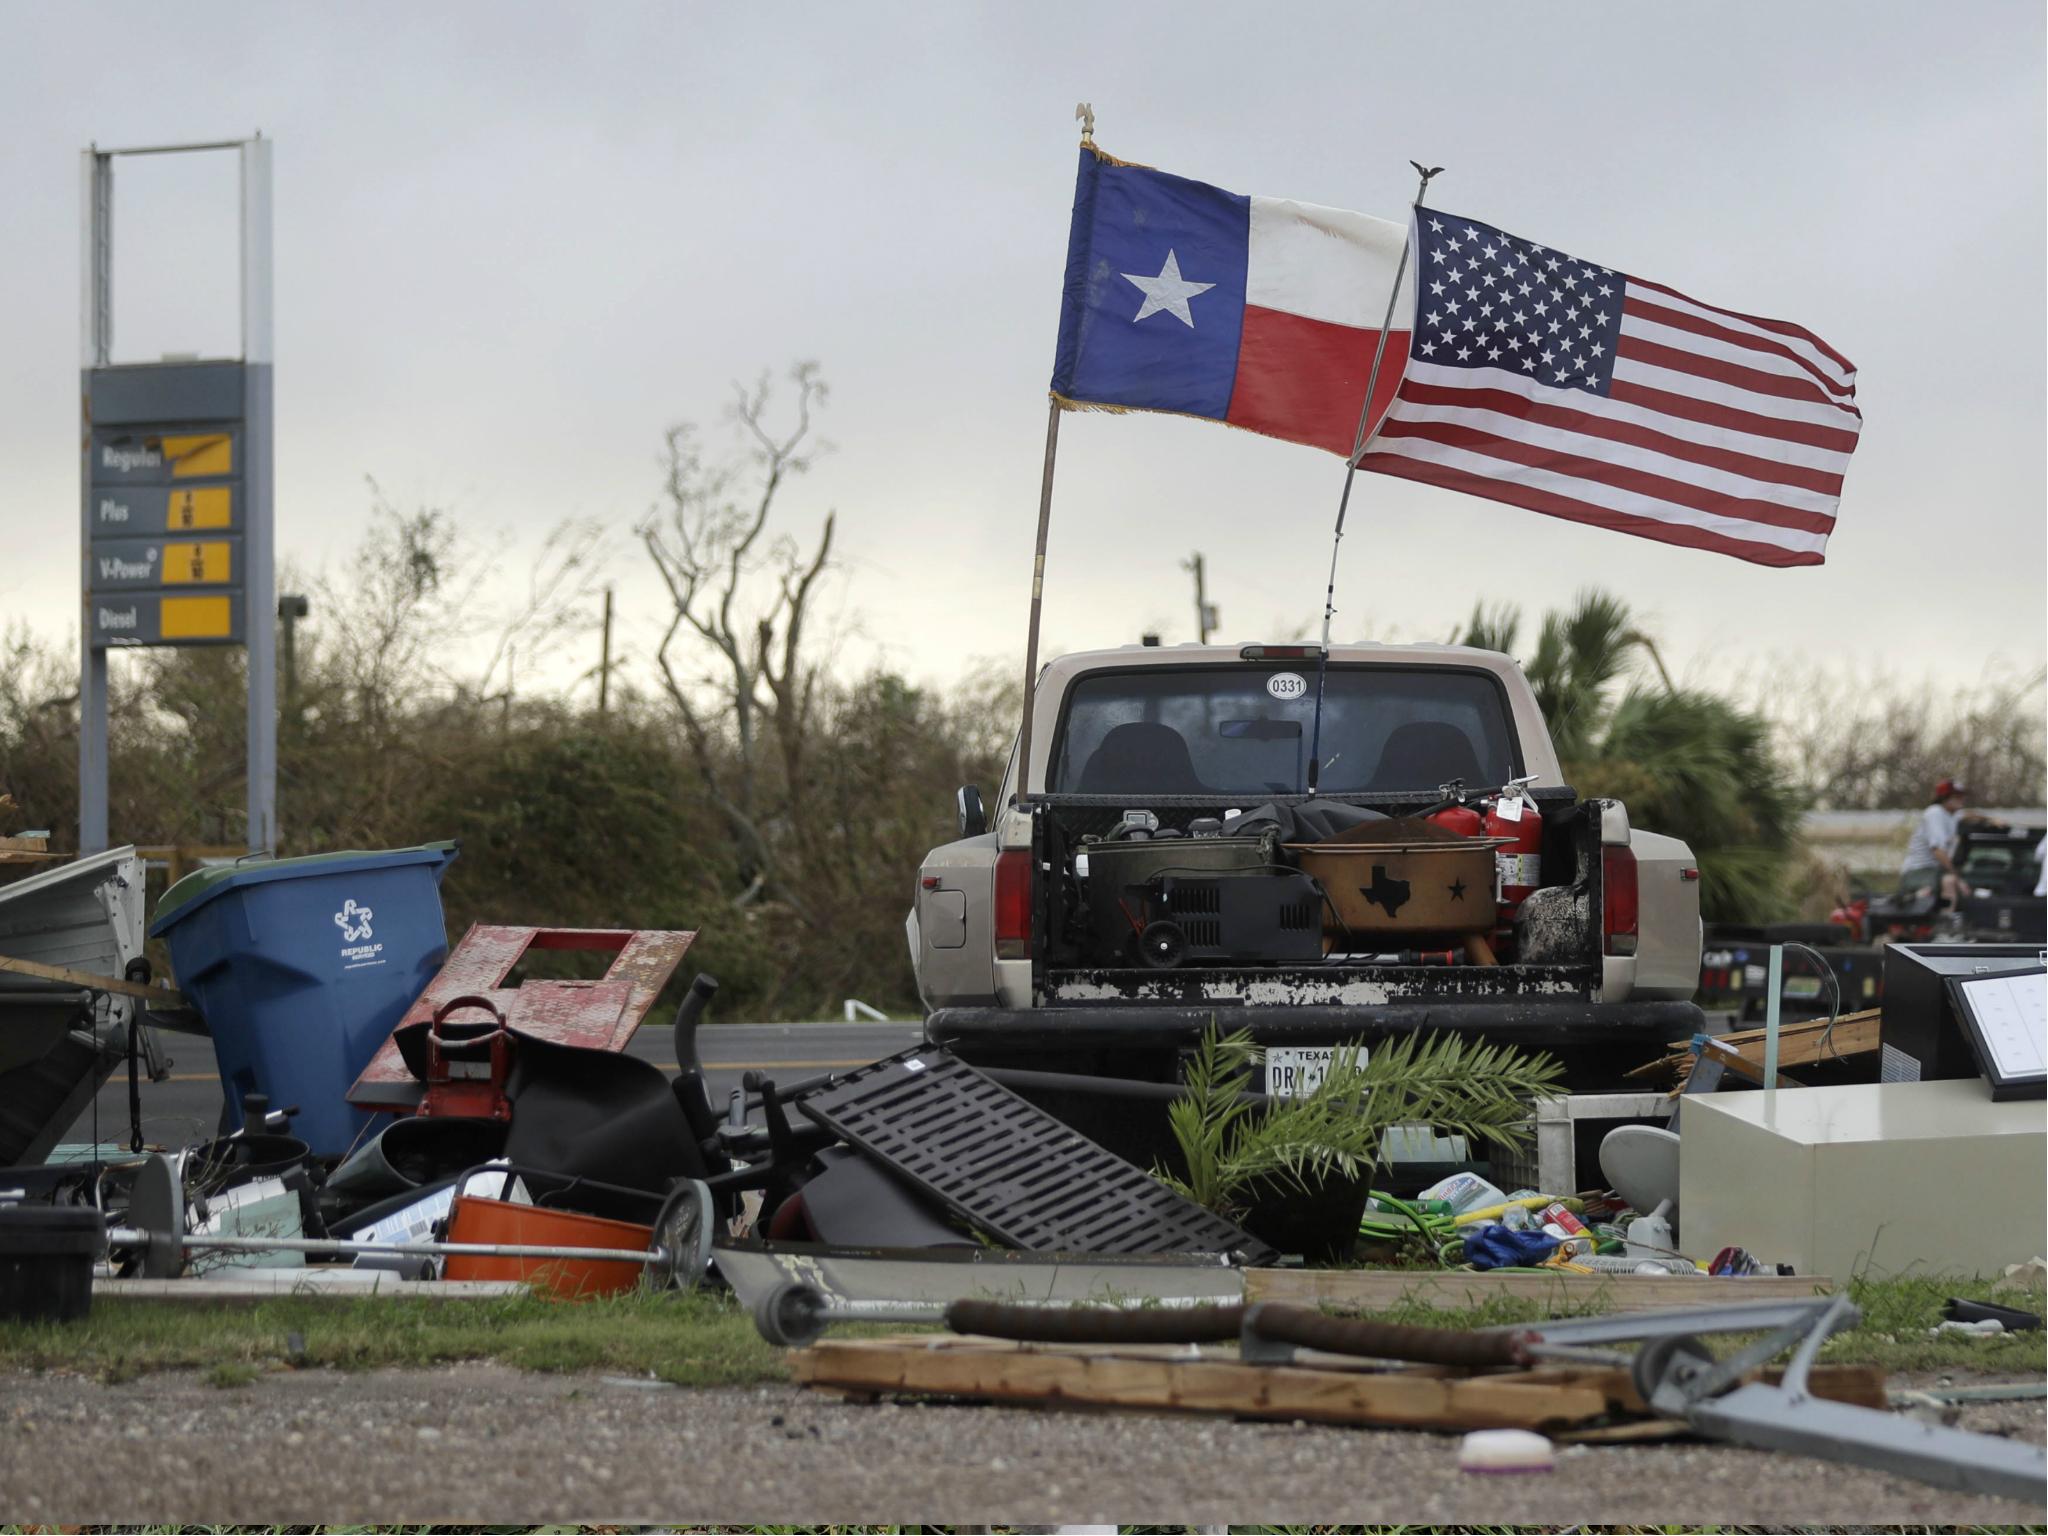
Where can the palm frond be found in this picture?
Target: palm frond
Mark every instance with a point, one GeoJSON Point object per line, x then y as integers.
{"type": "Point", "coordinates": [1460, 1086]}
{"type": "Point", "coordinates": [1491, 629]}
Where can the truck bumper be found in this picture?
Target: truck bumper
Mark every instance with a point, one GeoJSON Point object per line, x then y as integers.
{"type": "Point", "coordinates": [1596, 1042]}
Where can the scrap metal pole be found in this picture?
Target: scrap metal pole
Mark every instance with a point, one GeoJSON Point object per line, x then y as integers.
{"type": "Point", "coordinates": [1360, 441]}
{"type": "Point", "coordinates": [1052, 446]}
{"type": "Point", "coordinates": [340, 1247]}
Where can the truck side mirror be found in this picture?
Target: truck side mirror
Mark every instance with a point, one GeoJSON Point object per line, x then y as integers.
{"type": "Point", "coordinates": [973, 816]}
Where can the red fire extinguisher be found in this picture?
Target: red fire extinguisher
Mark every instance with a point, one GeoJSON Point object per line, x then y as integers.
{"type": "Point", "coordinates": [1519, 859]}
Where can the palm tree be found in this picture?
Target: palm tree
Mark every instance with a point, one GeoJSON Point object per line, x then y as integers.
{"type": "Point", "coordinates": [1686, 762]}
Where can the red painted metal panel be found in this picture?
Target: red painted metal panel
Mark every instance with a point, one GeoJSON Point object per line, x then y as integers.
{"type": "Point", "coordinates": [596, 1015]}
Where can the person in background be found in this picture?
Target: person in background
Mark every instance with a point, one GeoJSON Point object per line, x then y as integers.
{"type": "Point", "coordinates": [1930, 863]}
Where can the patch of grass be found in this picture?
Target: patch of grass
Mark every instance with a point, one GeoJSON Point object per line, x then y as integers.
{"type": "Point", "coordinates": [706, 1339]}
{"type": "Point", "coordinates": [1898, 1314]}
{"type": "Point", "coordinates": [1899, 1311]}
{"type": "Point", "coordinates": [691, 1340]}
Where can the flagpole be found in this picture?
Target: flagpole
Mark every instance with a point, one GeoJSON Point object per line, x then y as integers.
{"type": "Point", "coordinates": [1084, 114]}
{"type": "Point", "coordinates": [1052, 444]}
{"type": "Point", "coordinates": [1359, 441]}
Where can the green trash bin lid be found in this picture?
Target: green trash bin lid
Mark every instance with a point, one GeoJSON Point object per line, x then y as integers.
{"type": "Point", "coordinates": [202, 885]}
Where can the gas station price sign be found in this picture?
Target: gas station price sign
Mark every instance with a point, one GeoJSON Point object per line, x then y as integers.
{"type": "Point", "coordinates": [165, 514]}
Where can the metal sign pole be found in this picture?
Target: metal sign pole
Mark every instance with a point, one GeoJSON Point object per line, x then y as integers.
{"type": "Point", "coordinates": [260, 593]}
{"type": "Point", "coordinates": [96, 325]}
{"type": "Point", "coordinates": [177, 546]}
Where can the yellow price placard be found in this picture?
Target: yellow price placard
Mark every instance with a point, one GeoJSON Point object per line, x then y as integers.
{"type": "Point", "coordinates": [200, 455]}
{"type": "Point", "coordinates": [209, 506]}
{"type": "Point", "coordinates": [195, 563]}
{"type": "Point", "coordinates": [197, 618]}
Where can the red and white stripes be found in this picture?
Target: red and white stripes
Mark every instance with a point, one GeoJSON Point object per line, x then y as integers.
{"type": "Point", "coordinates": [1720, 431]}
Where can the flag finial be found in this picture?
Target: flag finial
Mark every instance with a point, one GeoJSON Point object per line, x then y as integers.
{"type": "Point", "coordinates": [1085, 115]}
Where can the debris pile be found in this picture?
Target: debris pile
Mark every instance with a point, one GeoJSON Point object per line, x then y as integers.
{"type": "Point", "coordinates": [405, 1116]}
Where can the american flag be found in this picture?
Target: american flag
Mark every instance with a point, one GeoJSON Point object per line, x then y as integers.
{"type": "Point", "coordinates": [1544, 381]}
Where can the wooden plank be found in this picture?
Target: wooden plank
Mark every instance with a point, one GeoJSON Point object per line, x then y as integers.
{"type": "Point", "coordinates": [1803, 1044]}
{"type": "Point", "coordinates": [1224, 1354]}
{"type": "Point", "coordinates": [26, 850]}
{"type": "Point", "coordinates": [1800, 1044]}
{"type": "Point", "coordinates": [1570, 1402]}
{"type": "Point", "coordinates": [1375, 1290]}
{"type": "Point", "coordinates": [1395, 1399]}
{"type": "Point", "coordinates": [156, 997]}
{"type": "Point", "coordinates": [1855, 1035]}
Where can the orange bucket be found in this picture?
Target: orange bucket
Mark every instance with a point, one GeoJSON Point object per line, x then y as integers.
{"type": "Point", "coordinates": [474, 1220]}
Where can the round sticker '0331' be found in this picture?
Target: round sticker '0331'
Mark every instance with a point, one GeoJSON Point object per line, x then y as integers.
{"type": "Point", "coordinates": [1287, 686]}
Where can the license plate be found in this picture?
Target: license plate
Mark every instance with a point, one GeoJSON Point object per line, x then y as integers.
{"type": "Point", "coordinates": [1295, 1071]}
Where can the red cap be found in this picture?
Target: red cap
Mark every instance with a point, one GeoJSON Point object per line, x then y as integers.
{"type": "Point", "coordinates": [1949, 787]}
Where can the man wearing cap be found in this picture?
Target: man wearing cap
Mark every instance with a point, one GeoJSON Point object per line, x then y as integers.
{"type": "Point", "coordinates": [1930, 863]}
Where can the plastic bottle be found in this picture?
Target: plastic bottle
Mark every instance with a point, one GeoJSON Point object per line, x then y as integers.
{"type": "Point", "coordinates": [1464, 1192]}
{"type": "Point", "coordinates": [1649, 1237]}
{"type": "Point", "coordinates": [1479, 1213]}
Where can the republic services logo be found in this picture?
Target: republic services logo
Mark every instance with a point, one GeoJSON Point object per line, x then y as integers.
{"type": "Point", "coordinates": [353, 921]}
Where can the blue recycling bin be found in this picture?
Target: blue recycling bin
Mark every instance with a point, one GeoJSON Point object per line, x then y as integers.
{"type": "Point", "coordinates": [302, 967]}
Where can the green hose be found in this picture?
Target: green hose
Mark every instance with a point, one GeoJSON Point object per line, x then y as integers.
{"type": "Point", "coordinates": [1444, 1235]}
{"type": "Point", "coordinates": [1438, 1233]}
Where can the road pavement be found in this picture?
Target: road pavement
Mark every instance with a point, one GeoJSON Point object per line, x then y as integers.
{"type": "Point", "coordinates": [466, 1444]}
{"type": "Point", "coordinates": [187, 1108]}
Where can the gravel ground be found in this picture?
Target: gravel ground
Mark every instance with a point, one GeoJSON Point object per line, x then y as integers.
{"type": "Point", "coordinates": [479, 1443]}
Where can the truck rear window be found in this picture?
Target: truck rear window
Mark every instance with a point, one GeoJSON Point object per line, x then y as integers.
{"type": "Point", "coordinates": [1244, 730]}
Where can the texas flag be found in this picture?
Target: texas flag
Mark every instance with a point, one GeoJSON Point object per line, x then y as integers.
{"type": "Point", "coordinates": [1257, 311]}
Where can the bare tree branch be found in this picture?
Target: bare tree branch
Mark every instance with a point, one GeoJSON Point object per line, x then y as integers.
{"type": "Point", "coordinates": [741, 594]}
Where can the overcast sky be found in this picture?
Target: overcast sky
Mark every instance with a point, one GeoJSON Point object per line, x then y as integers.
{"type": "Point", "coordinates": [516, 242]}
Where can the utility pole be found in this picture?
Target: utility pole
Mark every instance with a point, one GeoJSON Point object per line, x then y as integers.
{"type": "Point", "coordinates": [1205, 612]}
{"type": "Point", "coordinates": [291, 608]}
{"type": "Point", "coordinates": [604, 665]}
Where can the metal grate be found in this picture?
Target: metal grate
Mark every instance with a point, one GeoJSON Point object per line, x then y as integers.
{"type": "Point", "coordinates": [1009, 1168]}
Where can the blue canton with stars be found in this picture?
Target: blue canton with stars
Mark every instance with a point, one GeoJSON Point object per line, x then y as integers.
{"type": "Point", "coordinates": [1484, 299]}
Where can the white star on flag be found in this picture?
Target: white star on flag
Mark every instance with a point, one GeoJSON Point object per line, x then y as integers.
{"type": "Point", "coordinates": [1168, 292]}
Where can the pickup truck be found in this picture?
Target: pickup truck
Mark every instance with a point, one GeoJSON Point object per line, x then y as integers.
{"type": "Point", "coordinates": [1597, 964]}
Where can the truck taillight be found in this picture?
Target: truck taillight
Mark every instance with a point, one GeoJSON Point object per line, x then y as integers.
{"type": "Point", "coordinates": [1013, 904]}
{"type": "Point", "coordinates": [1618, 901]}
{"type": "Point", "coordinates": [1277, 652]}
